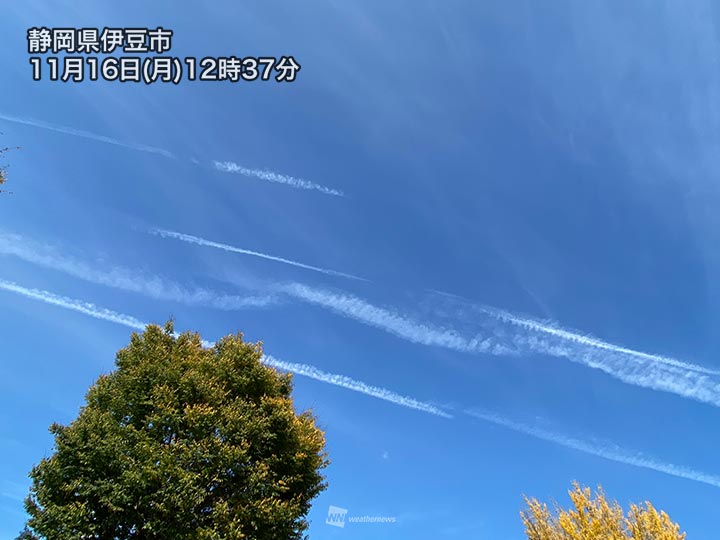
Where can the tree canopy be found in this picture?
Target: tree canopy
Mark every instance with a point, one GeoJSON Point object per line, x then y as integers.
{"type": "Point", "coordinates": [593, 517]}
{"type": "Point", "coordinates": [181, 442]}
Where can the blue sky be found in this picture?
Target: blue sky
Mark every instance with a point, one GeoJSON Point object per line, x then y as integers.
{"type": "Point", "coordinates": [529, 197]}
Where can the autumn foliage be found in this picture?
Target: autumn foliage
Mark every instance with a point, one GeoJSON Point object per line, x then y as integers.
{"type": "Point", "coordinates": [593, 517]}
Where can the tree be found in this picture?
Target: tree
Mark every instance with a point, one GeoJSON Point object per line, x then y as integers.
{"type": "Point", "coordinates": [25, 534]}
{"type": "Point", "coordinates": [181, 442]}
{"type": "Point", "coordinates": [3, 169]}
{"type": "Point", "coordinates": [596, 518]}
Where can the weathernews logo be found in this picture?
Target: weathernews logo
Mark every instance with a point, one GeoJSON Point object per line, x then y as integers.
{"type": "Point", "coordinates": [337, 517]}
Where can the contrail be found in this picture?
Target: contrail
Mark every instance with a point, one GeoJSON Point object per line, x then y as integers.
{"type": "Point", "coordinates": [226, 247]}
{"type": "Point", "coordinates": [394, 323]}
{"type": "Point", "coordinates": [568, 335]}
{"type": "Point", "coordinates": [269, 176]}
{"type": "Point", "coordinates": [643, 372]}
{"type": "Point", "coordinates": [354, 385]}
{"type": "Point", "coordinates": [224, 166]}
{"type": "Point", "coordinates": [85, 135]}
{"type": "Point", "coordinates": [120, 278]}
{"type": "Point", "coordinates": [74, 305]}
{"type": "Point", "coordinates": [555, 330]}
{"type": "Point", "coordinates": [300, 369]}
{"type": "Point", "coordinates": [604, 450]}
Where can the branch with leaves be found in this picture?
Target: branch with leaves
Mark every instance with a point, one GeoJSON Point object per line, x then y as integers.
{"type": "Point", "coordinates": [3, 169]}
{"type": "Point", "coordinates": [594, 517]}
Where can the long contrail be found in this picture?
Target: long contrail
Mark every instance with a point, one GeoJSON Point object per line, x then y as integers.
{"type": "Point", "coordinates": [643, 372]}
{"type": "Point", "coordinates": [392, 322]}
{"type": "Point", "coordinates": [120, 278]}
{"type": "Point", "coordinates": [224, 166]}
{"type": "Point", "coordinates": [601, 449]}
{"type": "Point", "coordinates": [300, 369]}
{"type": "Point", "coordinates": [75, 305]}
{"type": "Point", "coordinates": [164, 233]}
{"type": "Point", "coordinates": [605, 451]}
{"type": "Point", "coordinates": [569, 335]}
{"type": "Point", "coordinates": [555, 330]}
{"type": "Point", "coordinates": [355, 385]}
{"type": "Point", "coordinates": [85, 134]}
{"type": "Point", "coordinates": [269, 176]}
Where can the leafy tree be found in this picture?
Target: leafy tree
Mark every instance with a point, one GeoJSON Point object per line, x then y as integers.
{"type": "Point", "coordinates": [25, 534]}
{"type": "Point", "coordinates": [596, 518]}
{"type": "Point", "coordinates": [181, 442]}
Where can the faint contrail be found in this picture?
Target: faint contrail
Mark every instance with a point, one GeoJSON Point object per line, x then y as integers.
{"type": "Point", "coordinates": [569, 335]}
{"type": "Point", "coordinates": [355, 386]}
{"type": "Point", "coordinates": [604, 450]}
{"type": "Point", "coordinates": [224, 166]}
{"type": "Point", "coordinates": [643, 372]}
{"type": "Point", "coordinates": [269, 176]}
{"type": "Point", "coordinates": [226, 247]}
{"type": "Point", "coordinates": [85, 134]}
{"type": "Point", "coordinates": [74, 305]}
{"type": "Point", "coordinates": [299, 369]}
{"type": "Point", "coordinates": [120, 278]}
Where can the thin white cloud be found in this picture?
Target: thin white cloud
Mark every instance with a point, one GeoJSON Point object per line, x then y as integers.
{"type": "Point", "coordinates": [269, 176]}
{"type": "Point", "coordinates": [14, 490]}
{"type": "Point", "coordinates": [224, 166]}
{"type": "Point", "coordinates": [85, 134]}
{"type": "Point", "coordinates": [631, 370]}
{"type": "Point", "coordinates": [646, 372]}
{"type": "Point", "coordinates": [392, 322]}
{"type": "Point", "coordinates": [300, 369]}
{"type": "Point", "coordinates": [120, 278]}
{"type": "Point", "coordinates": [13, 496]}
{"type": "Point", "coordinates": [580, 339]}
{"type": "Point", "coordinates": [75, 305]}
{"type": "Point", "coordinates": [605, 450]}
{"type": "Point", "coordinates": [355, 385]}
{"type": "Point", "coordinates": [233, 249]}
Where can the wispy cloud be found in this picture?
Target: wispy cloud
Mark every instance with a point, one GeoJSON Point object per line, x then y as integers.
{"type": "Point", "coordinates": [120, 278]}
{"type": "Point", "coordinates": [269, 176]}
{"type": "Point", "coordinates": [304, 370]}
{"type": "Point", "coordinates": [233, 249]}
{"type": "Point", "coordinates": [393, 322]}
{"type": "Point", "coordinates": [84, 134]}
{"type": "Point", "coordinates": [15, 491]}
{"type": "Point", "coordinates": [605, 450]}
{"type": "Point", "coordinates": [75, 305]}
{"type": "Point", "coordinates": [589, 341]}
{"type": "Point", "coordinates": [355, 385]}
{"type": "Point", "coordinates": [644, 371]}
{"type": "Point", "coordinates": [224, 166]}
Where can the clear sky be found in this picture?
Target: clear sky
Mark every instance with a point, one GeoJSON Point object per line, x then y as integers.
{"type": "Point", "coordinates": [498, 220]}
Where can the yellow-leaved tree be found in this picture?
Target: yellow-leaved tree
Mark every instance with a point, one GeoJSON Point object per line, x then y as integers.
{"type": "Point", "coordinates": [593, 517]}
